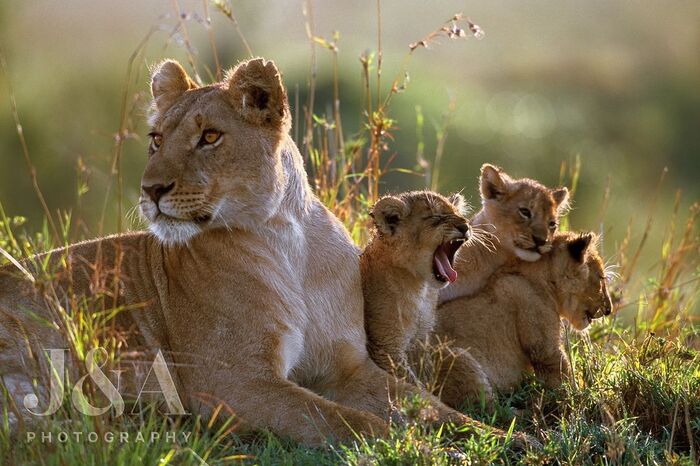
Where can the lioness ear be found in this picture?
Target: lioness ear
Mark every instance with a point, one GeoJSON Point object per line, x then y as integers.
{"type": "Point", "coordinates": [579, 245]}
{"type": "Point", "coordinates": [168, 82]}
{"type": "Point", "coordinates": [387, 213]}
{"type": "Point", "coordinates": [494, 183]}
{"type": "Point", "coordinates": [258, 94]}
{"type": "Point", "coordinates": [561, 197]}
{"type": "Point", "coordinates": [460, 204]}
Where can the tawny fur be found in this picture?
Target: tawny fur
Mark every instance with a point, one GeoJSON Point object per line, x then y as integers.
{"type": "Point", "coordinates": [246, 281]}
{"type": "Point", "coordinates": [513, 325]}
{"type": "Point", "coordinates": [398, 283]}
{"type": "Point", "coordinates": [505, 228]}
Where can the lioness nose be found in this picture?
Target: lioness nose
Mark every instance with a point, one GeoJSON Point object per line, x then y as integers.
{"type": "Point", "coordinates": [156, 191]}
{"type": "Point", "coordinates": [539, 241]}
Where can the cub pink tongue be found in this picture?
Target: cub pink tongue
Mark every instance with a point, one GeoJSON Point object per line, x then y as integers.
{"type": "Point", "coordinates": [442, 263]}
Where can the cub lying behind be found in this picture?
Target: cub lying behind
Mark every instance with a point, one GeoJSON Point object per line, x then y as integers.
{"type": "Point", "coordinates": [513, 325]}
{"type": "Point", "coordinates": [409, 259]}
{"type": "Point", "coordinates": [518, 218]}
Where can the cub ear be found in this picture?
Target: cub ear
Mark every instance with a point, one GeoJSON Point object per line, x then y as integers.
{"type": "Point", "coordinates": [168, 82]}
{"type": "Point", "coordinates": [459, 202]}
{"type": "Point", "coordinates": [387, 213]}
{"type": "Point", "coordinates": [258, 94]}
{"type": "Point", "coordinates": [579, 245]}
{"type": "Point", "coordinates": [494, 182]}
{"type": "Point", "coordinates": [561, 197]}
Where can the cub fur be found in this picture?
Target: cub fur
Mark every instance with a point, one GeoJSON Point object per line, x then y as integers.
{"type": "Point", "coordinates": [409, 259]}
{"type": "Point", "coordinates": [517, 220]}
{"type": "Point", "coordinates": [513, 325]}
{"type": "Point", "coordinates": [246, 282]}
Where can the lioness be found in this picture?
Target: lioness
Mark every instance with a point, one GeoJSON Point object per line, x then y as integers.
{"type": "Point", "coordinates": [248, 283]}
{"type": "Point", "coordinates": [407, 261]}
{"type": "Point", "coordinates": [518, 218]}
{"type": "Point", "coordinates": [513, 325]}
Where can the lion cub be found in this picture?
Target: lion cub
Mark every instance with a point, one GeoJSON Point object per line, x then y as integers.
{"type": "Point", "coordinates": [513, 325]}
{"type": "Point", "coordinates": [404, 266]}
{"type": "Point", "coordinates": [517, 221]}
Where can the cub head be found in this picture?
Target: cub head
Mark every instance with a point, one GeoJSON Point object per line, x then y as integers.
{"type": "Point", "coordinates": [214, 159]}
{"type": "Point", "coordinates": [579, 276]}
{"type": "Point", "coordinates": [424, 230]}
{"type": "Point", "coordinates": [524, 213]}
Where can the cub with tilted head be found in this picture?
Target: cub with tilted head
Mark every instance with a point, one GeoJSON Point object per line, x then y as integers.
{"type": "Point", "coordinates": [407, 262]}
{"type": "Point", "coordinates": [513, 325]}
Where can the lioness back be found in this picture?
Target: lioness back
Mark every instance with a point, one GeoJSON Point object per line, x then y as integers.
{"type": "Point", "coordinates": [115, 272]}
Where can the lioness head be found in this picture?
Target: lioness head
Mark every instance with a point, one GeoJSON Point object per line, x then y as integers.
{"type": "Point", "coordinates": [579, 276]}
{"type": "Point", "coordinates": [524, 213]}
{"type": "Point", "coordinates": [424, 230]}
{"type": "Point", "coordinates": [214, 158]}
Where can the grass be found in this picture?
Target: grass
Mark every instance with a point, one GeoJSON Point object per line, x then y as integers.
{"type": "Point", "coordinates": [635, 394]}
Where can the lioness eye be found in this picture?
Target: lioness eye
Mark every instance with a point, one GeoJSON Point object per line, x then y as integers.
{"type": "Point", "coordinates": [210, 136]}
{"type": "Point", "coordinates": [552, 225]}
{"type": "Point", "coordinates": [156, 140]}
{"type": "Point", "coordinates": [525, 212]}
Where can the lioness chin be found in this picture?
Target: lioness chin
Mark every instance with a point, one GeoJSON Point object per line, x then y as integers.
{"type": "Point", "coordinates": [247, 283]}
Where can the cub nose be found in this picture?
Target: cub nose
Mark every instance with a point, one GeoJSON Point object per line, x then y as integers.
{"type": "Point", "coordinates": [539, 241]}
{"type": "Point", "coordinates": [464, 229]}
{"type": "Point", "coordinates": [156, 191]}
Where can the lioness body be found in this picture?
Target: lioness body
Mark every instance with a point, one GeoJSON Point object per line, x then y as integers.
{"type": "Point", "coordinates": [247, 282]}
{"type": "Point", "coordinates": [237, 310]}
{"type": "Point", "coordinates": [513, 325]}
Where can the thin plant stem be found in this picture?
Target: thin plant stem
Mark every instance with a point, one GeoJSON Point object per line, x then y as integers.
{"type": "Point", "coordinates": [25, 150]}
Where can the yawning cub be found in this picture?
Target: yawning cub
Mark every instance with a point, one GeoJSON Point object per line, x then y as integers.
{"type": "Point", "coordinates": [404, 266]}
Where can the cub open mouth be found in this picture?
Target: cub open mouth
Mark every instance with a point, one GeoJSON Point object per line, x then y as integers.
{"type": "Point", "coordinates": [443, 261]}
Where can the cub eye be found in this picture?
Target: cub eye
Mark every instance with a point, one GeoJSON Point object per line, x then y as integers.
{"type": "Point", "coordinates": [156, 140]}
{"type": "Point", "coordinates": [552, 225]}
{"type": "Point", "coordinates": [209, 136]}
{"type": "Point", "coordinates": [525, 212]}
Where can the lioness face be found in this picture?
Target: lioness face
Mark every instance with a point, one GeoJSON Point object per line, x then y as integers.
{"type": "Point", "coordinates": [214, 158]}
{"type": "Point", "coordinates": [425, 230]}
{"type": "Point", "coordinates": [524, 213]}
{"type": "Point", "coordinates": [582, 281]}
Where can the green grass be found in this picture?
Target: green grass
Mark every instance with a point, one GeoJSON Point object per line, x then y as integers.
{"type": "Point", "coordinates": [634, 397]}
{"type": "Point", "coordinates": [631, 402]}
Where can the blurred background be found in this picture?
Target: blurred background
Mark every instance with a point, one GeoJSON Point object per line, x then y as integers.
{"type": "Point", "coordinates": [615, 84]}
